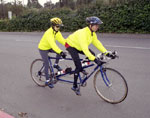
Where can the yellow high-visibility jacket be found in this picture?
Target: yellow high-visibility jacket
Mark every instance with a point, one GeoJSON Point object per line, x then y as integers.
{"type": "Point", "coordinates": [48, 40]}
{"type": "Point", "coordinates": [82, 38]}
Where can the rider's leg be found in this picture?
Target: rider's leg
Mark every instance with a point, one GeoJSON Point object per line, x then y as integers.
{"type": "Point", "coordinates": [78, 68]}
{"type": "Point", "coordinates": [56, 61]}
{"type": "Point", "coordinates": [57, 58]}
{"type": "Point", "coordinates": [75, 56]}
{"type": "Point", "coordinates": [81, 52]}
{"type": "Point", "coordinates": [44, 55]}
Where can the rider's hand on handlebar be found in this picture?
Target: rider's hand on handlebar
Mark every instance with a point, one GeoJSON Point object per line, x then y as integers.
{"type": "Point", "coordinates": [97, 61]}
{"type": "Point", "coordinates": [63, 54]}
{"type": "Point", "coordinates": [111, 55]}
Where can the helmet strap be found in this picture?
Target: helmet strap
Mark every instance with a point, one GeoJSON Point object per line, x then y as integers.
{"type": "Point", "coordinates": [54, 28]}
{"type": "Point", "coordinates": [90, 27]}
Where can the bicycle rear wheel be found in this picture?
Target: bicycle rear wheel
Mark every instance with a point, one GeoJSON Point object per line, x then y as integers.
{"type": "Point", "coordinates": [37, 72]}
{"type": "Point", "coordinates": [113, 88]}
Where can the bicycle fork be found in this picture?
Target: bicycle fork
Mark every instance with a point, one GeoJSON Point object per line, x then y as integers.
{"type": "Point", "coordinates": [105, 78]}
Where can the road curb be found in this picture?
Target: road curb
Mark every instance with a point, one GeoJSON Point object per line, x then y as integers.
{"type": "Point", "coordinates": [5, 115]}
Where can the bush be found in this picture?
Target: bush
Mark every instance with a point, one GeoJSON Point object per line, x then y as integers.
{"type": "Point", "coordinates": [3, 25]}
{"type": "Point", "coordinates": [131, 17]}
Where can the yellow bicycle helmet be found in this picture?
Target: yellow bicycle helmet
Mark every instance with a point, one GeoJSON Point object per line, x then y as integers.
{"type": "Point", "coordinates": [56, 21]}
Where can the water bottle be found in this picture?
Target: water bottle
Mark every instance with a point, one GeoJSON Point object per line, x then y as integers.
{"type": "Point", "coordinates": [60, 72]}
{"type": "Point", "coordinates": [85, 63]}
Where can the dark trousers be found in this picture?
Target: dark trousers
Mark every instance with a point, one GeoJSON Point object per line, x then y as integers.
{"type": "Point", "coordinates": [44, 55]}
{"type": "Point", "coordinates": [76, 59]}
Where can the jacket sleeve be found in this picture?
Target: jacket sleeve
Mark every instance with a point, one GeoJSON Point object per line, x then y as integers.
{"type": "Point", "coordinates": [84, 46]}
{"type": "Point", "coordinates": [98, 44]}
{"type": "Point", "coordinates": [53, 45]}
{"type": "Point", "coordinates": [60, 38]}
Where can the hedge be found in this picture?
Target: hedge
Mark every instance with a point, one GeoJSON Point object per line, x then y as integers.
{"type": "Point", "coordinates": [132, 17]}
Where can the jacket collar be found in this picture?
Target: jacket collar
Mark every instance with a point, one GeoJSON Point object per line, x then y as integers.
{"type": "Point", "coordinates": [89, 30]}
{"type": "Point", "coordinates": [54, 32]}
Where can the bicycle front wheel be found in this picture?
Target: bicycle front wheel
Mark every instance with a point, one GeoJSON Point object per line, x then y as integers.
{"type": "Point", "coordinates": [37, 72]}
{"type": "Point", "coordinates": [110, 85]}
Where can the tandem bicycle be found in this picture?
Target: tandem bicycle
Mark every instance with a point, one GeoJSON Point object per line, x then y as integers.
{"type": "Point", "coordinates": [109, 84]}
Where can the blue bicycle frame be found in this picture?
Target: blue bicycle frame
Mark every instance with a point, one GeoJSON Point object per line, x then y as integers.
{"type": "Point", "coordinates": [82, 80]}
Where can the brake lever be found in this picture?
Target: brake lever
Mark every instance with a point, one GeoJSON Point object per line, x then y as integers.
{"type": "Point", "coordinates": [115, 54]}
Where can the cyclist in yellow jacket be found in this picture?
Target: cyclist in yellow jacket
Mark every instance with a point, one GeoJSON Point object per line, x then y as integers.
{"type": "Point", "coordinates": [48, 44]}
{"type": "Point", "coordinates": [79, 41]}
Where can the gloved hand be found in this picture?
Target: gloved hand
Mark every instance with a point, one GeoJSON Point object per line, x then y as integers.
{"type": "Point", "coordinates": [111, 55]}
{"type": "Point", "coordinates": [63, 54]}
{"type": "Point", "coordinates": [97, 61]}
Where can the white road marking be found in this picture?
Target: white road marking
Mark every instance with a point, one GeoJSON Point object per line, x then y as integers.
{"type": "Point", "coordinates": [144, 48]}
{"type": "Point", "coordinates": [115, 46]}
{"type": "Point", "coordinates": [26, 41]}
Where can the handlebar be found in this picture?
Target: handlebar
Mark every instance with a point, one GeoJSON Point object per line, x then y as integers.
{"type": "Point", "coordinates": [103, 58]}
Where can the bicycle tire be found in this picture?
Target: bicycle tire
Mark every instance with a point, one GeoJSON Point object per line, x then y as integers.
{"type": "Point", "coordinates": [117, 85]}
{"type": "Point", "coordinates": [37, 72]}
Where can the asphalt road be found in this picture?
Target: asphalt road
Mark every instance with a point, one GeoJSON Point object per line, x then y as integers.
{"type": "Point", "coordinates": [18, 93]}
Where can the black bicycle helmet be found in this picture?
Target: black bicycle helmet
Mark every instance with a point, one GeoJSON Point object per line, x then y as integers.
{"type": "Point", "coordinates": [93, 20]}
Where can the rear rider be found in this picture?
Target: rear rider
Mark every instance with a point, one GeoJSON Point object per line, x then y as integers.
{"type": "Point", "coordinates": [48, 44]}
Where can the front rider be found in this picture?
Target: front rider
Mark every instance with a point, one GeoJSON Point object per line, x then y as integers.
{"type": "Point", "coordinates": [48, 44]}
{"type": "Point", "coordinates": [79, 41]}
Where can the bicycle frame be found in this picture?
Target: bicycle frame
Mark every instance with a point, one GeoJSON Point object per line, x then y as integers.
{"type": "Point", "coordinates": [81, 80]}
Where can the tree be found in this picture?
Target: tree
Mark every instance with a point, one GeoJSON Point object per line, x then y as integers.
{"type": "Point", "coordinates": [60, 2]}
{"type": "Point", "coordinates": [16, 8]}
{"type": "Point", "coordinates": [74, 3]}
{"type": "Point", "coordinates": [49, 5]}
{"type": "Point", "coordinates": [67, 3]}
{"type": "Point", "coordinates": [2, 14]}
{"type": "Point", "coordinates": [84, 2]}
{"type": "Point", "coordinates": [33, 4]}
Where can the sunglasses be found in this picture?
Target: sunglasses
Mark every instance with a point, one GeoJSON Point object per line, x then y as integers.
{"type": "Point", "coordinates": [57, 26]}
